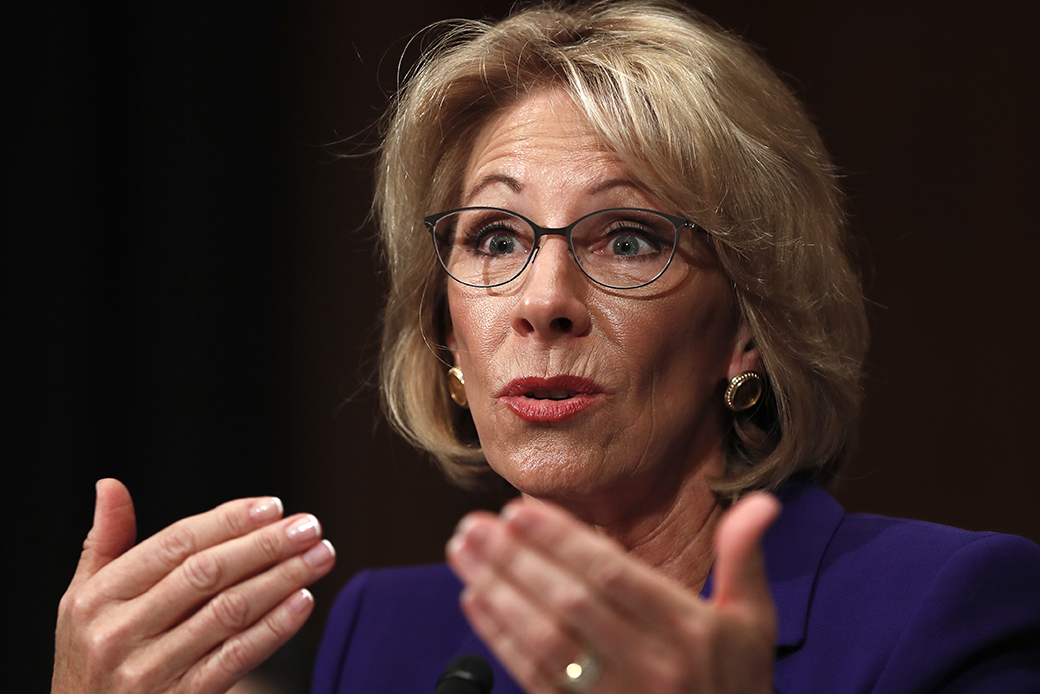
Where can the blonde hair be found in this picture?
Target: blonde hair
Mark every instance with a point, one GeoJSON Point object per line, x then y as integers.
{"type": "Point", "coordinates": [700, 120]}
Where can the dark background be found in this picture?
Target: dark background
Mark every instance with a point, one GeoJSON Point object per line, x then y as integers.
{"type": "Point", "coordinates": [191, 292]}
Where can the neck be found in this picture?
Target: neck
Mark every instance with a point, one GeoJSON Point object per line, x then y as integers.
{"type": "Point", "coordinates": [669, 525]}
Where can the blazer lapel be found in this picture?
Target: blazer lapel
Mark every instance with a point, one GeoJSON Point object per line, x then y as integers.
{"type": "Point", "coordinates": [794, 548]}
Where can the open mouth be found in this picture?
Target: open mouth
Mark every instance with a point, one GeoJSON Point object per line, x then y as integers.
{"type": "Point", "coordinates": [562, 387]}
{"type": "Point", "coordinates": [551, 394]}
{"type": "Point", "coordinates": [550, 400]}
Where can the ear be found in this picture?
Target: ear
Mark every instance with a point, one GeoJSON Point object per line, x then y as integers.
{"type": "Point", "coordinates": [450, 342]}
{"type": "Point", "coordinates": [745, 356]}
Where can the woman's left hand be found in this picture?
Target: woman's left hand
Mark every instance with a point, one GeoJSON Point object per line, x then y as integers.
{"type": "Point", "coordinates": [543, 590]}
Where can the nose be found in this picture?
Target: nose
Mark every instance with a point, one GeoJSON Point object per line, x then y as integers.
{"type": "Point", "coordinates": [552, 298]}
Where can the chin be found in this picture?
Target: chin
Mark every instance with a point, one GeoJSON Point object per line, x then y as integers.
{"type": "Point", "coordinates": [558, 472]}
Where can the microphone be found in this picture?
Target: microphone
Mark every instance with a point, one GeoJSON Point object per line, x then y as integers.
{"type": "Point", "coordinates": [467, 674]}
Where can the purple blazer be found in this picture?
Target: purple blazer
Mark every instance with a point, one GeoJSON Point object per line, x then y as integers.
{"type": "Point", "coordinates": [865, 604]}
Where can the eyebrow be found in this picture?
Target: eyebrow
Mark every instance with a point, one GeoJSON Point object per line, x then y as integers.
{"type": "Point", "coordinates": [484, 182]}
{"type": "Point", "coordinates": [515, 185]}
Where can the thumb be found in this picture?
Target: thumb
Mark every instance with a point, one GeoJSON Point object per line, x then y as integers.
{"type": "Point", "coordinates": [740, 568]}
{"type": "Point", "coordinates": [113, 532]}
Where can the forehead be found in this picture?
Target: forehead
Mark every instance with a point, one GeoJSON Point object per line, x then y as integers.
{"type": "Point", "coordinates": [543, 140]}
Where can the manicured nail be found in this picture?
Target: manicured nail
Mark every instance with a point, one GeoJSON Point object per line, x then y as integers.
{"type": "Point", "coordinates": [454, 545]}
{"type": "Point", "coordinates": [462, 553]}
{"type": "Point", "coordinates": [267, 509]}
{"type": "Point", "coordinates": [515, 517]}
{"type": "Point", "coordinates": [304, 529]}
{"type": "Point", "coordinates": [509, 510]}
{"type": "Point", "coordinates": [471, 532]}
{"type": "Point", "coordinates": [463, 526]}
{"type": "Point", "coordinates": [466, 547]}
{"type": "Point", "coordinates": [300, 601]}
{"type": "Point", "coordinates": [319, 555]}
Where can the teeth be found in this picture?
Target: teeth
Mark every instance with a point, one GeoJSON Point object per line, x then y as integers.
{"type": "Point", "coordinates": [551, 394]}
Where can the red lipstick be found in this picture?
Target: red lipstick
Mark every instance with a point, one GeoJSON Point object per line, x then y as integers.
{"type": "Point", "coordinates": [549, 400]}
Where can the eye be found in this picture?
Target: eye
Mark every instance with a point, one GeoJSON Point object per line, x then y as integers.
{"type": "Point", "coordinates": [630, 239]}
{"type": "Point", "coordinates": [497, 244]}
{"type": "Point", "coordinates": [495, 238]}
{"type": "Point", "coordinates": [630, 245]}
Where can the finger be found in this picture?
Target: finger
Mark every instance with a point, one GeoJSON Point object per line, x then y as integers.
{"type": "Point", "coordinates": [534, 654]}
{"type": "Point", "coordinates": [143, 566]}
{"type": "Point", "coordinates": [210, 571]}
{"type": "Point", "coordinates": [240, 654]}
{"type": "Point", "coordinates": [638, 592]}
{"type": "Point", "coordinates": [740, 573]}
{"type": "Point", "coordinates": [486, 554]}
{"type": "Point", "coordinates": [112, 533]}
{"type": "Point", "coordinates": [236, 609]}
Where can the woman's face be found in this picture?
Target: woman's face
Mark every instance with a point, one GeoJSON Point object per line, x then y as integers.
{"type": "Point", "coordinates": [577, 390]}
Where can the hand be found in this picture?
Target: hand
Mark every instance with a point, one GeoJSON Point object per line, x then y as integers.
{"type": "Point", "coordinates": [542, 589]}
{"type": "Point", "coordinates": [191, 609]}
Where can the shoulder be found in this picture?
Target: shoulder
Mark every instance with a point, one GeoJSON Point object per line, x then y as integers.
{"type": "Point", "coordinates": [907, 573]}
{"type": "Point", "coordinates": [389, 622]}
{"type": "Point", "coordinates": [900, 606]}
{"type": "Point", "coordinates": [867, 547]}
{"type": "Point", "coordinates": [965, 603]}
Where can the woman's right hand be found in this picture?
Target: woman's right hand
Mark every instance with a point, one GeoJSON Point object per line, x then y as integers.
{"type": "Point", "coordinates": [191, 609]}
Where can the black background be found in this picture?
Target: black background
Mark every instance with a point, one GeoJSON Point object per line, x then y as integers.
{"type": "Point", "coordinates": [191, 291]}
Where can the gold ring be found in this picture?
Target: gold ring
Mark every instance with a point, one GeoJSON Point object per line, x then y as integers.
{"type": "Point", "coordinates": [581, 673]}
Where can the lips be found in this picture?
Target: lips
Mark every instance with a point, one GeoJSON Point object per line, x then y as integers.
{"type": "Point", "coordinates": [549, 400]}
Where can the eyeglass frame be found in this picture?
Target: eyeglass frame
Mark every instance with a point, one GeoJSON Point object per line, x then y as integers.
{"type": "Point", "coordinates": [567, 232]}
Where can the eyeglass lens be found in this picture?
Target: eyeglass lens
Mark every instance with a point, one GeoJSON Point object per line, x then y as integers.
{"type": "Point", "coordinates": [619, 248]}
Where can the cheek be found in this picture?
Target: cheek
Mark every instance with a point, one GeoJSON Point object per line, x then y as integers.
{"type": "Point", "coordinates": [687, 344]}
{"type": "Point", "coordinates": [478, 327]}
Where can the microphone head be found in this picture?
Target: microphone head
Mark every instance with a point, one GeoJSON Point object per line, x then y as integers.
{"type": "Point", "coordinates": [467, 674]}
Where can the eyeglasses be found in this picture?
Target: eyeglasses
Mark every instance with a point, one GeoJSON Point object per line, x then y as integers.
{"type": "Point", "coordinates": [618, 248]}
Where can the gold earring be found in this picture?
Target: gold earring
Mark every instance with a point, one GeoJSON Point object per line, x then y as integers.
{"type": "Point", "coordinates": [743, 391]}
{"type": "Point", "coordinates": [457, 386]}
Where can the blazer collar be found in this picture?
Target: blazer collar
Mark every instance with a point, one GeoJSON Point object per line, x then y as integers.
{"type": "Point", "coordinates": [794, 549]}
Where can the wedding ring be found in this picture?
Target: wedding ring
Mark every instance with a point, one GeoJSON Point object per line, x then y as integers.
{"type": "Point", "coordinates": [580, 674]}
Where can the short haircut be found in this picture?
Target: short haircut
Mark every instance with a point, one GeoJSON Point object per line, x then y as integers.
{"type": "Point", "coordinates": [704, 124]}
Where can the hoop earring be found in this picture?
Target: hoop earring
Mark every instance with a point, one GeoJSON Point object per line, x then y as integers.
{"type": "Point", "coordinates": [743, 391]}
{"type": "Point", "coordinates": [457, 386]}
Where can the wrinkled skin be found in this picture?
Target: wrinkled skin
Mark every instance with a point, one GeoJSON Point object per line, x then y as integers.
{"type": "Point", "coordinates": [193, 608]}
{"type": "Point", "coordinates": [613, 565]}
{"type": "Point", "coordinates": [542, 588]}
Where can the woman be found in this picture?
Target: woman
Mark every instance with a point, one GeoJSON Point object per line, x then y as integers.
{"type": "Point", "coordinates": [631, 302]}
{"type": "Point", "coordinates": [590, 372]}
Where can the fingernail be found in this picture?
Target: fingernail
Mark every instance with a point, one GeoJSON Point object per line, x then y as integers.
{"type": "Point", "coordinates": [300, 601]}
{"type": "Point", "coordinates": [267, 509]}
{"type": "Point", "coordinates": [513, 514]}
{"type": "Point", "coordinates": [319, 555]}
{"type": "Point", "coordinates": [509, 511]}
{"type": "Point", "coordinates": [304, 529]}
{"type": "Point", "coordinates": [467, 544]}
{"type": "Point", "coordinates": [461, 553]}
{"type": "Point", "coordinates": [472, 532]}
{"type": "Point", "coordinates": [463, 526]}
{"type": "Point", "coordinates": [454, 545]}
